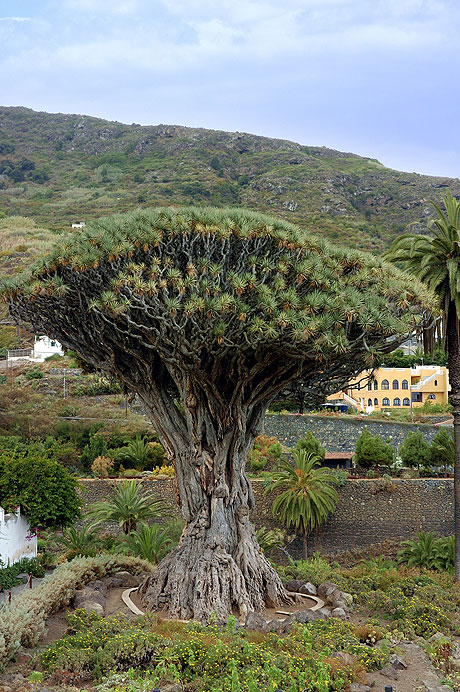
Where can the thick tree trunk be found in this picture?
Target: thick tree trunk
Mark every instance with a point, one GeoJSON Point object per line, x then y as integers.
{"type": "Point", "coordinates": [453, 345]}
{"type": "Point", "coordinates": [218, 566]}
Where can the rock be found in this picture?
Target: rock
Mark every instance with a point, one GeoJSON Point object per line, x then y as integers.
{"type": "Point", "coordinates": [113, 582]}
{"type": "Point", "coordinates": [390, 672]}
{"type": "Point", "coordinates": [348, 598]}
{"type": "Point", "coordinates": [325, 612]}
{"type": "Point", "coordinates": [309, 589]}
{"type": "Point", "coordinates": [92, 607]}
{"type": "Point", "coordinates": [431, 687]}
{"type": "Point", "coordinates": [337, 602]}
{"type": "Point", "coordinates": [397, 662]}
{"type": "Point", "coordinates": [277, 626]}
{"type": "Point", "coordinates": [97, 585]}
{"type": "Point", "coordinates": [339, 613]}
{"type": "Point", "coordinates": [326, 590]}
{"type": "Point", "coordinates": [294, 585]}
{"type": "Point", "coordinates": [86, 594]}
{"type": "Point", "coordinates": [255, 621]}
{"type": "Point", "coordinates": [127, 579]}
{"type": "Point", "coordinates": [302, 617]}
{"type": "Point", "coordinates": [357, 687]}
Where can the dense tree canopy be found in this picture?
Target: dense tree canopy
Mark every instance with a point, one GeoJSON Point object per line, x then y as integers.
{"type": "Point", "coordinates": [218, 310]}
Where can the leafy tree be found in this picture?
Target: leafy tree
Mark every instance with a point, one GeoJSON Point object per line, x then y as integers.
{"type": "Point", "coordinates": [308, 495]}
{"type": "Point", "coordinates": [372, 451]}
{"type": "Point", "coordinates": [311, 445]}
{"type": "Point", "coordinates": [44, 489]}
{"type": "Point", "coordinates": [415, 450]}
{"type": "Point", "coordinates": [151, 543]}
{"type": "Point", "coordinates": [435, 259]}
{"type": "Point", "coordinates": [97, 447]}
{"type": "Point", "coordinates": [442, 451]}
{"type": "Point", "coordinates": [128, 506]}
{"type": "Point", "coordinates": [220, 310]}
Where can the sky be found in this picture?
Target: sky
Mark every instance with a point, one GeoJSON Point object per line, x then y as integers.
{"type": "Point", "coordinates": [378, 78]}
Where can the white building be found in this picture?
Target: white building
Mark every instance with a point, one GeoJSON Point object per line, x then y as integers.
{"type": "Point", "coordinates": [16, 540]}
{"type": "Point", "coordinates": [78, 224]}
{"type": "Point", "coordinates": [45, 347]}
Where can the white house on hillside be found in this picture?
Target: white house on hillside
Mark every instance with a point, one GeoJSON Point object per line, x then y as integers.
{"type": "Point", "coordinates": [45, 347]}
{"type": "Point", "coordinates": [16, 540]}
{"type": "Point", "coordinates": [78, 224]}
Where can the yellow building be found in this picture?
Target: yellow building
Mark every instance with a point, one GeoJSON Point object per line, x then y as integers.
{"type": "Point", "coordinates": [395, 387]}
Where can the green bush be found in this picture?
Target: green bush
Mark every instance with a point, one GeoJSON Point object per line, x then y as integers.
{"type": "Point", "coordinates": [373, 451]}
{"type": "Point", "coordinates": [415, 451]}
{"type": "Point", "coordinates": [34, 373]}
{"type": "Point", "coordinates": [315, 570]}
{"type": "Point", "coordinates": [9, 575]}
{"type": "Point", "coordinates": [311, 445]}
{"type": "Point", "coordinates": [266, 450]}
{"type": "Point", "coordinates": [56, 504]}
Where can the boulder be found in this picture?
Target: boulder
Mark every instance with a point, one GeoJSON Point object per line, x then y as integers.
{"type": "Point", "coordinates": [92, 607]}
{"type": "Point", "coordinates": [357, 687]}
{"type": "Point", "coordinates": [390, 672]}
{"type": "Point", "coordinates": [277, 626]}
{"type": "Point", "coordinates": [303, 617]}
{"type": "Point", "coordinates": [294, 585]}
{"type": "Point", "coordinates": [397, 662]}
{"type": "Point", "coordinates": [325, 612]}
{"type": "Point", "coordinates": [255, 621]}
{"type": "Point", "coordinates": [128, 580]}
{"type": "Point", "coordinates": [113, 582]}
{"type": "Point", "coordinates": [309, 589]}
{"type": "Point", "coordinates": [86, 594]}
{"type": "Point", "coordinates": [339, 613]}
{"type": "Point", "coordinates": [326, 590]}
{"type": "Point", "coordinates": [97, 585]}
{"type": "Point", "coordinates": [348, 598]}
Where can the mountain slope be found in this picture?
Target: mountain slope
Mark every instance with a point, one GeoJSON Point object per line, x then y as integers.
{"type": "Point", "coordinates": [59, 168]}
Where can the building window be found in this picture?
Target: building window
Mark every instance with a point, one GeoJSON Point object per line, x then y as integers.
{"type": "Point", "coordinates": [436, 383]}
{"type": "Point", "coordinates": [406, 402]}
{"type": "Point", "coordinates": [397, 401]}
{"type": "Point", "coordinates": [369, 402]}
{"type": "Point", "coordinates": [417, 396]}
{"type": "Point", "coordinates": [395, 384]}
{"type": "Point", "coordinates": [376, 384]}
{"type": "Point", "coordinates": [376, 402]}
{"type": "Point", "coordinates": [404, 384]}
{"type": "Point", "coordinates": [385, 401]}
{"type": "Point", "coordinates": [431, 396]}
{"type": "Point", "coordinates": [53, 343]}
{"type": "Point", "coordinates": [369, 385]}
{"type": "Point", "coordinates": [385, 384]}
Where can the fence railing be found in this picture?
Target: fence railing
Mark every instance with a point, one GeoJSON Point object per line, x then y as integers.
{"type": "Point", "coordinates": [20, 353]}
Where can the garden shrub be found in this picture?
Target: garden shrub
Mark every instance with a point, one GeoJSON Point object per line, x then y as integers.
{"type": "Point", "coordinates": [24, 623]}
{"type": "Point", "coordinates": [311, 444]}
{"type": "Point", "coordinates": [315, 570]}
{"type": "Point", "coordinates": [21, 473]}
{"type": "Point", "coordinates": [415, 451]}
{"type": "Point", "coordinates": [373, 451]}
{"type": "Point", "coordinates": [102, 466]}
{"type": "Point", "coordinates": [34, 373]}
{"type": "Point", "coordinates": [266, 450]}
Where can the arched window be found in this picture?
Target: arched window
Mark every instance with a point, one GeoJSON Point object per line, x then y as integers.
{"type": "Point", "coordinates": [404, 384]}
{"type": "Point", "coordinates": [376, 402]}
{"type": "Point", "coordinates": [397, 401]}
{"type": "Point", "coordinates": [395, 384]}
{"type": "Point", "coordinates": [369, 402]}
{"type": "Point", "coordinates": [385, 384]}
{"type": "Point", "coordinates": [369, 385]}
{"type": "Point", "coordinates": [431, 396]}
{"type": "Point", "coordinates": [385, 401]}
{"type": "Point", "coordinates": [436, 383]}
{"type": "Point", "coordinates": [406, 402]}
{"type": "Point", "coordinates": [376, 384]}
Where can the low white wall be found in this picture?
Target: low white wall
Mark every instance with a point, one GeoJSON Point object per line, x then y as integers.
{"type": "Point", "coordinates": [15, 539]}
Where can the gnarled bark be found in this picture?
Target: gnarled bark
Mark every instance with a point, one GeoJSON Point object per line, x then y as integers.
{"type": "Point", "coordinates": [218, 565]}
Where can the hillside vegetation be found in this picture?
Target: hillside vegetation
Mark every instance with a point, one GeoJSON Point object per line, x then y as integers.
{"type": "Point", "coordinates": [59, 168]}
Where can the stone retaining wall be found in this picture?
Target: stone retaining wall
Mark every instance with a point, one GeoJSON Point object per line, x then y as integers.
{"type": "Point", "coordinates": [338, 433]}
{"type": "Point", "coordinates": [366, 514]}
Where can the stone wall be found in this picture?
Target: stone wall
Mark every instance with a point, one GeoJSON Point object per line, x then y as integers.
{"type": "Point", "coordinates": [366, 514]}
{"type": "Point", "coordinates": [338, 433]}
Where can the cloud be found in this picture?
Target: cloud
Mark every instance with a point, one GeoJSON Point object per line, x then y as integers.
{"type": "Point", "coordinates": [14, 19]}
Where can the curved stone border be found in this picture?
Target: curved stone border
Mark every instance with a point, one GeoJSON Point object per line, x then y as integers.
{"type": "Point", "coordinates": [319, 602]}
{"type": "Point", "coordinates": [125, 597]}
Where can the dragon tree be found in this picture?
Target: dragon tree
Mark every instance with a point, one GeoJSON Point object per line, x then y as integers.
{"type": "Point", "coordinates": [207, 315]}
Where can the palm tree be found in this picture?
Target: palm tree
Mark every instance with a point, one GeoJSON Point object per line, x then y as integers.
{"type": "Point", "coordinates": [136, 453]}
{"type": "Point", "coordinates": [435, 259]}
{"type": "Point", "coordinates": [128, 506]}
{"type": "Point", "coordinates": [148, 542]}
{"type": "Point", "coordinates": [84, 541]}
{"type": "Point", "coordinates": [308, 495]}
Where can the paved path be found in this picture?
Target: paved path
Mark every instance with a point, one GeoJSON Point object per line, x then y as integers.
{"type": "Point", "coordinates": [36, 581]}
